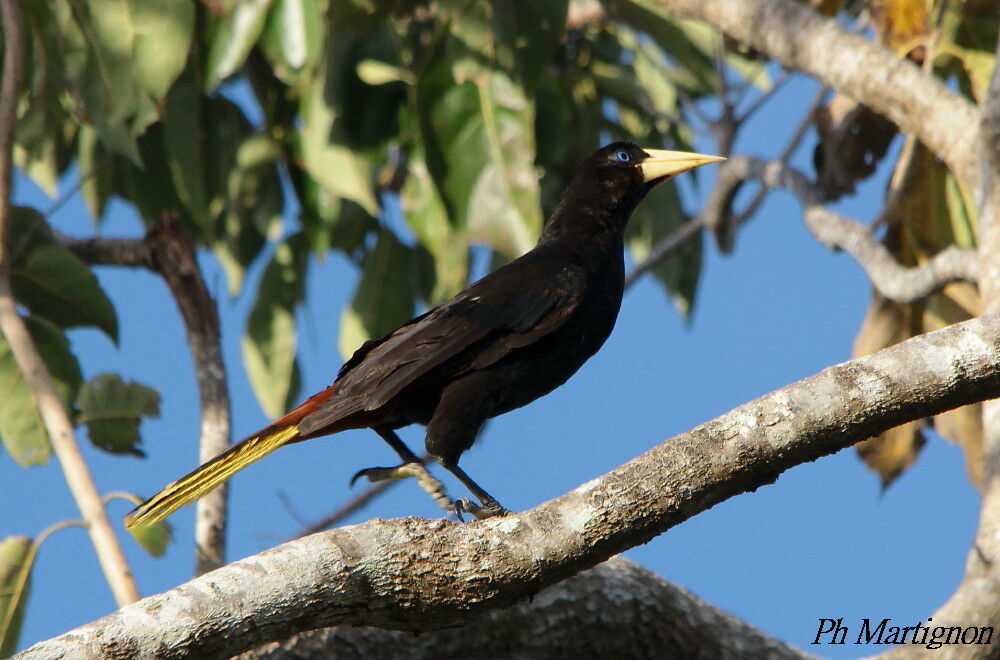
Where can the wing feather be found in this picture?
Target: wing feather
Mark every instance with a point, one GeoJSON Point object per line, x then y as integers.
{"type": "Point", "coordinates": [513, 307]}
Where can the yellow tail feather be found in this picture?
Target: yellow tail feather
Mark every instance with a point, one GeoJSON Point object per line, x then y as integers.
{"type": "Point", "coordinates": [202, 480]}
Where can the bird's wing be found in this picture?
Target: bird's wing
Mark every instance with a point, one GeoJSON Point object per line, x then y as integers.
{"type": "Point", "coordinates": [511, 308]}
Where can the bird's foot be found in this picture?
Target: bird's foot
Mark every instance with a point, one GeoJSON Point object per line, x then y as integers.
{"type": "Point", "coordinates": [425, 480]}
{"type": "Point", "coordinates": [481, 512]}
{"type": "Point", "coordinates": [377, 474]}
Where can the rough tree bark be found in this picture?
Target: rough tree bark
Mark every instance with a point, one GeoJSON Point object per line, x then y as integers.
{"type": "Point", "coordinates": [897, 89]}
{"type": "Point", "coordinates": [976, 602]}
{"type": "Point", "coordinates": [616, 609]}
{"type": "Point", "coordinates": [414, 574]}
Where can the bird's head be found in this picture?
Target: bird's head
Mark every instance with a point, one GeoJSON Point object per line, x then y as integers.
{"type": "Point", "coordinates": [612, 181]}
{"type": "Point", "coordinates": [624, 166]}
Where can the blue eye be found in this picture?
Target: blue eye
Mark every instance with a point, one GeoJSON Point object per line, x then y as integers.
{"type": "Point", "coordinates": [622, 156]}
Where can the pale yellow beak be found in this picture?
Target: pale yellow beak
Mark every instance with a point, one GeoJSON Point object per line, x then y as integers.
{"type": "Point", "coordinates": [664, 164]}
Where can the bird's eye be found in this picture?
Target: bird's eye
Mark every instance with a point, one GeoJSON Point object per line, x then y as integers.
{"type": "Point", "coordinates": [622, 156]}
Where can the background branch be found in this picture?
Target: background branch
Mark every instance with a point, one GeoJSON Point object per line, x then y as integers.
{"type": "Point", "coordinates": [976, 602]}
{"type": "Point", "coordinates": [57, 424]}
{"type": "Point", "coordinates": [416, 574]}
{"type": "Point", "coordinates": [172, 254]}
{"type": "Point", "coordinates": [890, 278]}
{"type": "Point", "coordinates": [894, 87]}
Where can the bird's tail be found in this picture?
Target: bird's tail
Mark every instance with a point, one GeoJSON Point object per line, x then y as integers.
{"type": "Point", "coordinates": [205, 478]}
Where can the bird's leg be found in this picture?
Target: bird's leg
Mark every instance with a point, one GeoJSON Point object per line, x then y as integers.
{"type": "Point", "coordinates": [488, 505]}
{"type": "Point", "coordinates": [412, 466]}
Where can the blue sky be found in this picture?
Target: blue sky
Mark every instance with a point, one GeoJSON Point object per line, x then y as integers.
{"type": "Point", "coordinates": [820, 542]}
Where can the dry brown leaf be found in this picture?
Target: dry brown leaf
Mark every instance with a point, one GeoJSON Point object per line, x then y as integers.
{"type": "Point", "coordinates": [888, 454]}
{"type": "Point", "coordinates": [963, 426]}
{"type": "Point", "coordinates": [826, 7]}
{"type": "Point", "coordinates": [892, 452]}
{"type": "Point", "coordinates": [902, 25]}
{"type": "Point", "coordinates": [852, 141]}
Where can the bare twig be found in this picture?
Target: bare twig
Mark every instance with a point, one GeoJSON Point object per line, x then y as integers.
{"type": "Point", "coordinates": [761, 99]}
{"type": "Point", "coordinates": [889, 277]}
{"type": "Point", "coordinates": [793, 143]}
{"type": "Point", "coordinates": [172, 255]}
{"type": "Point", "coordinates": [416, 574]}
{"type": "Point", "coordinates": [130, 252]}
{"type": "Point", "coordinates": [665, 248]}
{"type": "Point", "coordinates": [362, 499]}
{"type": "Point", "coordinates": [60, 430]}
{"type": "Point", "coordinates": [356, 503]}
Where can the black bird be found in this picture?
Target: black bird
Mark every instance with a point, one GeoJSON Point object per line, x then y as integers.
{"type": "Point", "coordinates": [511, 337]}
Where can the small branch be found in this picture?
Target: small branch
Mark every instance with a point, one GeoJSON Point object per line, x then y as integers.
{"type": "Point", "coordinates": [417, 574]}
{"type": "Point", "coordinates": [763, 98]}
{"type": "Point", "coordinates": [130, 252]}
{"type": "Point", "coordinates": [60, 430]}
{"type": "Point", "coordinates": [891, 279]}
{"type": "Point", "coordinates": [728, 237]}
{"type": "Point", "coordinates": [354, 504]}
{"type": "Point", "coordinates": [172, 254]}
{"type": "Point", "coordinates": [664, 249]}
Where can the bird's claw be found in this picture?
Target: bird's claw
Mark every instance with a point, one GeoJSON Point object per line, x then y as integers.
{"type": "Point", "coordinates": [377, 474]}
{"type": "Point", "coordinates": [465, 505]}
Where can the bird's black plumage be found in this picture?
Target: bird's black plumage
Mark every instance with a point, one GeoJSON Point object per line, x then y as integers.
{"type": "Point", "coordinates": [508, 339]}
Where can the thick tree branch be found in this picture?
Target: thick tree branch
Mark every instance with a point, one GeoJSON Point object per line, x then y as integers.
{"type": "Point", "coordinates": [57, 425]}
{"type": "Point", "coordinates": [894, 87]}
{"type": "Point", "coordinates": [890, 278]}
{"type": "Point", "coordinates": [616, 609]}
{"type": "Point", "coordinates": [414, 574]}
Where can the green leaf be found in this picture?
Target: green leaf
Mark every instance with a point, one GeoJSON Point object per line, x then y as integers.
{"type": "Point", "coordinates": [121, 57]}
{"type": "Point", "coordinates": [184, 140]}
{"type": "Point", "coordinates": [245, 196]}
{"type": "Point", "coordinates": [384, 297]}
{"type": "Point", "coordinates": [340, 170]}
{"type": "Point", "coordinates": [659, 216]}
{"type": "Point", "coordinates": [154, 538]}
{"type": "Point", "coordinates": [425, 213]}
{"type": "Point", "coordinates": [54, 283]}
{"type": "Point", "coordinates": [148, 38]}
{"type": "Point", "coordinates": [44, 131]}
{"type": "Point", "coordinates": [293, 37]}
{"type": "Point", "coordinates": [269, 338]}
{"type": "Point", "coordinates": [689, 42]}
{"type": "Point", "coordinates": [21, 427]}
{"type": "Point", "coordinates": [232, 37]}
{"type": "Point", "coordinates": [16, 559]}
{"type": "Point", "coordinates": [112, 410]}
{"type": "Point", "coordinates": [374, 72]}
{"type": "Point", "coordinates": [487, 126]}
{"type": "Point", "coordinates": [96, 172]}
